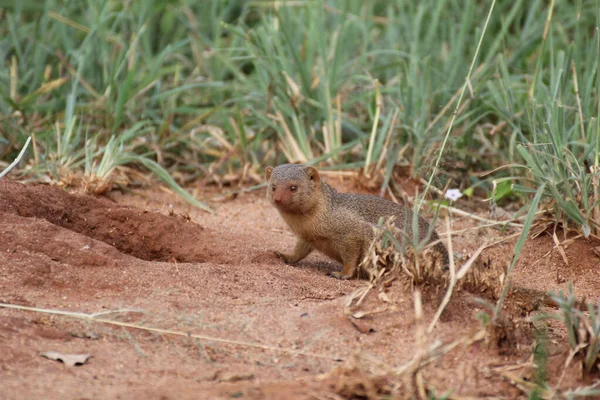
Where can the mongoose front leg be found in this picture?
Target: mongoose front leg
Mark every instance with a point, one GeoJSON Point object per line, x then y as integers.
{"type": "Point", "coordinates": [301, 250]}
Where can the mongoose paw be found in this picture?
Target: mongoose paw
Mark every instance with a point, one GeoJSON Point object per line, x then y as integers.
{"type": "Point", "coordinates": [339, 275]}
{"type": "Point", "coordinates": [283, 257]}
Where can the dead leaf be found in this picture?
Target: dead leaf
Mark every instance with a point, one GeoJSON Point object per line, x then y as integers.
{"type": "Point", "coordinates": [361, 326]}
{"type": "Point", "coordinates": [597, 251]}
{"type": "Point", "coordinates": [70, 360]}
{"type": "Point", "coordinates": [362, 314]}
{"type": "Point", "coordinates": [235, 377]}
{"type": "Point", "coordinates": [384, 297]}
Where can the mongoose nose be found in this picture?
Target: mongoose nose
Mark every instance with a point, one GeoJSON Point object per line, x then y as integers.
{"type": "Point", "coordinates": [277, 200]}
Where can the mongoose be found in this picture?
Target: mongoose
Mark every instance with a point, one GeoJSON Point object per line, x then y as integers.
{"type": "Point", "coordinates": [340, 225]}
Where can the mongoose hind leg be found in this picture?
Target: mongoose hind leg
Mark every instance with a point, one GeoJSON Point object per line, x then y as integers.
{"type": "Point", "coordinates": [301, 250]}
{"type": "Point", "coordinates": [346, 273]}
{"type": "Point", "coordinates": [350, 257]}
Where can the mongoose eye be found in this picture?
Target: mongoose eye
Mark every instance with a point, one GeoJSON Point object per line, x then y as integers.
{"type": "Point", "coordinates": [273, 187]}
{"type": "Point", "coordinates": [293, 188]}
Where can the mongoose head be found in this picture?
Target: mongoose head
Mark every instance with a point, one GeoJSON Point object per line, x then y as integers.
{"type": "Point", "coordinates": [290, 187]}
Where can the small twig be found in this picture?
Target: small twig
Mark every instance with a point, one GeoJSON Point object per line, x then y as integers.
{"type": "Point", "coordinates": [472, 228]}
{"type": "Point", "coordinates": [559, 247]}
{"type": "Point", "coordinates": [483, 174]}
{"type": "Point", "coordinates": [536, 262]}
{"type": "Point", "coordinates": [433, 188]}
{"type": "Point", "coordinates": [489, 222]}
{"type": "Point", "coordinates": [90, 317]}
{"type": "Point", "coordinates": [568, 361]}
{"type": "Point", "coordinates": [454, 277]}
{"type": "Point", "coordinates": [415, 362]}
{"type": "Point", "coordinates": [124, 310]}
{"type": "Point", "coordinates": [481, 219]}
{"type": "Point", "coordinates": [467, 266]}
{"type": "Point", "coordinates": [504, 239]}
{"type": "Point", "coordinates": [436, 351]}
{"type": "Point", "coordinates": [565, 243]}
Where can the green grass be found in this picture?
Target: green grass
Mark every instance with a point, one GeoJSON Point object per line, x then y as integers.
{"type": "Point", "coordinates": [217, 87]}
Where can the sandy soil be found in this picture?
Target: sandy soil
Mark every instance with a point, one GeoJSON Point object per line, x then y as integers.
{"type": "Point", "coordinates": [252, 327]}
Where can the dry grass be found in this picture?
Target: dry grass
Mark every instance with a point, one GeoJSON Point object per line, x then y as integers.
{"type": "Point", "coordinates": [388, 261]}
{"type": "Point", "coordinates": [389, 258]}
{"type": "Point", "coordinates": [403, 381]}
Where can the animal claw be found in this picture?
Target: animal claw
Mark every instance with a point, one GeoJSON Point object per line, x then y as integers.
{"type": "Point", "coordinates": [339, 275]}
{"type": "Point", "coordinates": [282, 257]}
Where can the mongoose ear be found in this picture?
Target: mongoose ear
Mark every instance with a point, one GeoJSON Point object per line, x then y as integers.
{"type": "Point", "coordinates": [268, 172]}
{"type": "Point", "coordinates": [313, 174]}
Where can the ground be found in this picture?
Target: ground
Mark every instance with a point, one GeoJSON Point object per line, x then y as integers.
{"type": "Point", "coordinates": [250, 326]}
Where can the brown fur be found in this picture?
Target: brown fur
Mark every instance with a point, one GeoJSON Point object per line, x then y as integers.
{"type": "Point", "coordinates": [340, 225]}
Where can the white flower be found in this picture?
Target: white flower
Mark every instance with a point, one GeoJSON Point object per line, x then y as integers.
{"type": "Point", "coordinates": [453, 194]}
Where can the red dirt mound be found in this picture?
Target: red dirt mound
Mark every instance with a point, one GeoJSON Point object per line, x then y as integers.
{"type": "Point", "coordinates": [142, 234]}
